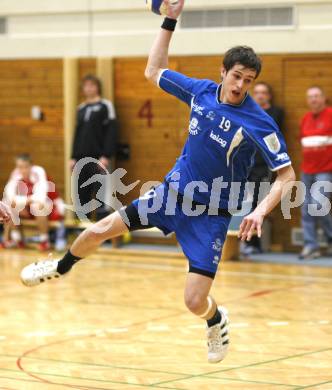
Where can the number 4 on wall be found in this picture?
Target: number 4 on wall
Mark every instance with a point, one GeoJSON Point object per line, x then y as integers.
{"type": "Point", "coordinates": [145, 112]}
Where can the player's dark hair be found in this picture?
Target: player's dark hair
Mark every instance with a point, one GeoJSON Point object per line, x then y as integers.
{"type": "Point", "coordinates": [24, 157]}
{"type": "Point", "coordinates": [242, 55]}
{"type": "Point", "coordinates": [95, 80]}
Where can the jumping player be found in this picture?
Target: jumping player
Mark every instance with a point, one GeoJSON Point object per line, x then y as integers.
{"type": "Point", "coordinates": [226, 128]}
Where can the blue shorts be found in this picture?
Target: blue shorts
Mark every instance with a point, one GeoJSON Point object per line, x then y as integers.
{"type": "Point", "coordinates": [201, 237]}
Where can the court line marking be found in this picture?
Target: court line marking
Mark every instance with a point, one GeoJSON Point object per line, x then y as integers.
{"type": "Point", "coordinates": [252, 381]}
{"type": "Point", "coordinates": [150, 385]}
{"type": "Point", "coordinates": [259, 275]}
{"type": "Point", "coordinates": [175, 314]}
{"type": "Point", "coordinates": [239, 325]}
{"type": "Point", "coordinates": [275, 360]}
{"type": "Point", "coordinates": [40, 333]}
{"type": "Point", "coordinates": [277, 323]}
{"type": "Point", "coordinates": [283, 277]}
{"type": "Point", "coordinates": [162, 328]}
{"type": "Point", "coordinates": [251, 365]}
{"type": "Point", "coordinates": [22, 356]}
{"type": "Point", "coordinates": [86, 302]}
{"type": "Point", "coordinates": [117, 330]}
{"type": "Point", "coordinates": [83, 379]}
{"type": "Point", "coordinates": [158, 328]}
{"type": "Point", "coordinates": [96, 303]}
{"type": "Point", "coordinates": [55, 298]}
{"type": "Point", "coordinates": [50, 383]}
{"type": "Point", "coordinates": [98, 365]}
{"type": "Point", "coordinates": [42, 380]}
{"type": "Point", "coordinates": [19, 360]}
{"type": "Point", "coordinates": [312, 386]}
{"type": "Point", "coordinates": [324, 322]}
{"type": "Point", "coordinates": [81, 332]}
{"type": "Point", "coordinates": [128, 368]}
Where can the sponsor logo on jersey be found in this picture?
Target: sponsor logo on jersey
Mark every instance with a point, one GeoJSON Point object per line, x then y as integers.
{"type": "Point", "coordinates": [282, 157]}
{"type": "Point", "coordinates": [193, 126]}
{"type": "Point", "coordinates": [272, 142]}
{"type": "Point", "coordinates": [218, 139]}
{"type": "Point", "coordinates": [216, 260]}
{"type": "Point", "coordinates": [217, 245]}
{"type": "Point", "coordinates": [198, 109]}
{"type": "Point", "coordinates": [211, 115]}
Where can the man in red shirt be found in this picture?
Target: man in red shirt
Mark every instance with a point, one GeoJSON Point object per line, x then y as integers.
{"type": "Point", "coordinates": [32, 194]}
{"type": "Point", "coordinates": [316, 140]}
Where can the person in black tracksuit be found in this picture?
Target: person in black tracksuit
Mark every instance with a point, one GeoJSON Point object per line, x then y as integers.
{"type": "Point", "coordinates": [95, 137]}
{"type": "Point", "coordinates": [260, 172]}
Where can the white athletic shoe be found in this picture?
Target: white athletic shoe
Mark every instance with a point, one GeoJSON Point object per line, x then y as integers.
{"type": "Point", "coordinates": [218, 338]}
{"type": "Point", "coordinates": [39, 272]}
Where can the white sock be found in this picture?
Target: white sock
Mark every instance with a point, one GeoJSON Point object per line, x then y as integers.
{"type": "Point", "coordinates": [16, 235]}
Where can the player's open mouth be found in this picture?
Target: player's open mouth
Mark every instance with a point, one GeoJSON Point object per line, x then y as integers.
{"type": "Point", "coordinates": [236, 94]}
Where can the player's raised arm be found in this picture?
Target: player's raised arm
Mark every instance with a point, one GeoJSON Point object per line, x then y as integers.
{"type": "Point", "coordinates": [158, 57]}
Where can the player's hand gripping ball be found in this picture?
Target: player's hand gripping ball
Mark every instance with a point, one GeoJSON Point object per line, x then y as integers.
{"type": "Point", "coordinates": [159, 7]}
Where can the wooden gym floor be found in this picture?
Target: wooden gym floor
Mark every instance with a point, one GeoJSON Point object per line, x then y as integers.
{"type": "Point", "coordinates": [119, 322]}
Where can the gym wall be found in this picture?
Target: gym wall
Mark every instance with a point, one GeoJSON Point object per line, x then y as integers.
{"type": "Point", "coordinates": [23, 84]}
{"type": "Point", "coordinates": [152, 123]}
{"type": "Point", "coordinates": [155, 125]}
{"type": "Point", "coordinates": [94, 28]}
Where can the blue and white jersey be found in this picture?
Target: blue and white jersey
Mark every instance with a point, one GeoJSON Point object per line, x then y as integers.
{"type": "Point", "coordinates": [222, 142]}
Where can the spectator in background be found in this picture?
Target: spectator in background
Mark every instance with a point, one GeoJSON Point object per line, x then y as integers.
{"type": "Point", "coordinates": [95, 137]}
{"type": "Point", "coordinates": [316, 140]}
{"type": "Point", "coordinates": [30, 192]}
{"type": "Point", "coordinates": [260, 172]}
{"type": "Point", "coordinates": [263, 95]}
{"type": "Point", "coordinates": [5, 214]}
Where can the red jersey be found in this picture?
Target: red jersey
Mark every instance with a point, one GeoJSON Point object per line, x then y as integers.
{"type": "Point", "coordinates": [316, 140]}
{"type": "Point", "coordinates": [38, 187]}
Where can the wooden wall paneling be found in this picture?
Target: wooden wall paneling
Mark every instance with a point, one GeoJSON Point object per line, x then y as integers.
{"type": "Point", "coordinates": [288, 75]}
{"type": "Point", "coordinates": [272, 73]}
{"type": "Point", "coordinates": [149, 121]}
{"type": "Point", "coordinates": [105, 71]}
{"type": "Point", "coordinates": [153, 123]}
{"type": "Point", "coordinates": [71, 86]}
{"type": "Point", "coordinates": [25, 83]}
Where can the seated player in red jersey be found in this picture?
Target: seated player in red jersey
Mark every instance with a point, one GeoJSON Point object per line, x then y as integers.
{"type": "Point", "coordinates": [5, 214]}
{"type": "Point", "coordinates": [31, 195]}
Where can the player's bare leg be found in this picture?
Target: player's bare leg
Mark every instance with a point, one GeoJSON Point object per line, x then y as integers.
{"type": "Point", "coordinates": [42, 224]}
{"type": "Point", "coordinates": [203, 305]}
{"type": "Point", "coordinates": [6, 232]}
{"type": "Point", "coordinates": [85, 244]}
{"type": "Point", "coordinates": [12, 236]}
{"type": "Point", "coordinates": [89, 241]}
